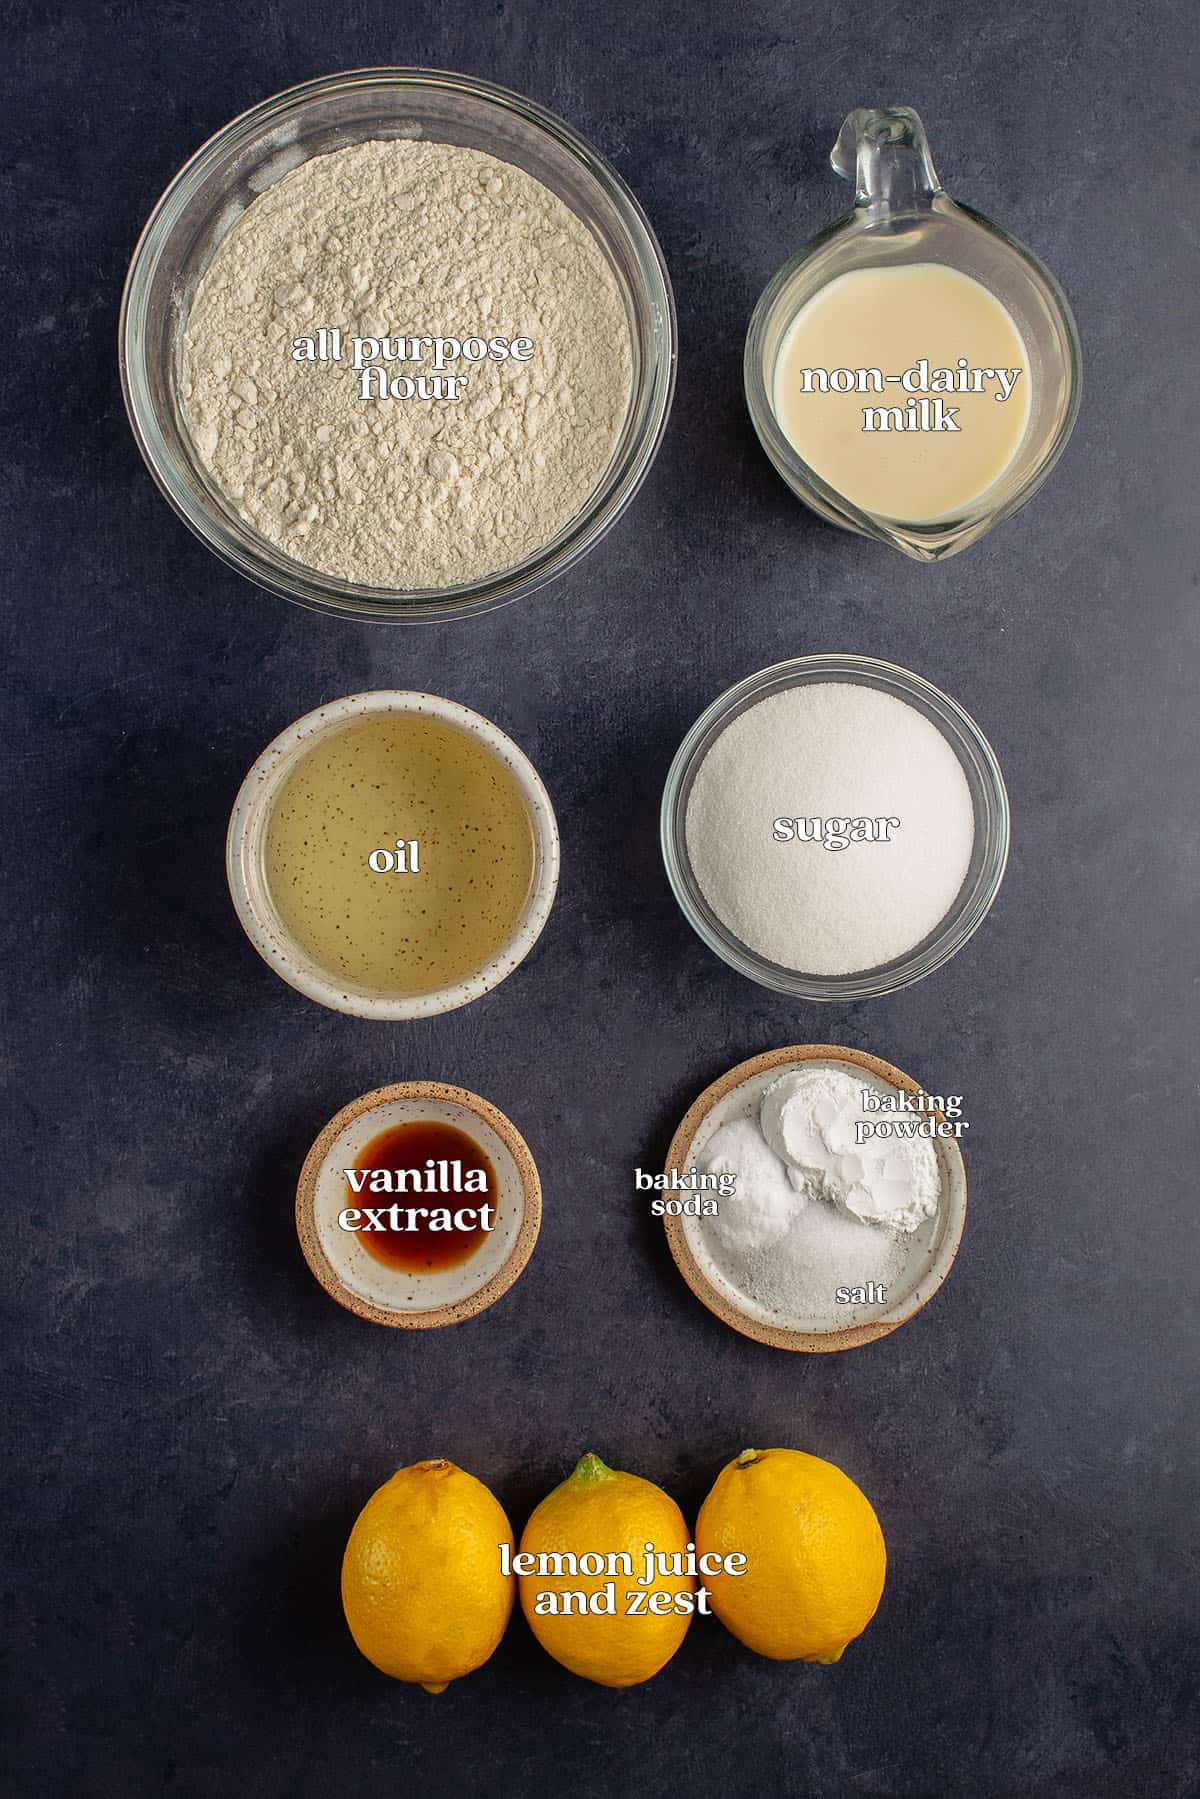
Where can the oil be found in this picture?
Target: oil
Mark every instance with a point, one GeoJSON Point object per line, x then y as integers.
{"type": "Point", "coordinates": [438, 1158]}
{"type": "Point", "coordinates": [457, 843]}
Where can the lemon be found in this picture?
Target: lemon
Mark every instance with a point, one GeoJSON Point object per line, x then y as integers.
{"type": "Point", "coordinates": [422, 1586]}
{"type": "Point", "coordinates": [600, 1512]}
{"type": "Point", "coordinates": [815, 1555]}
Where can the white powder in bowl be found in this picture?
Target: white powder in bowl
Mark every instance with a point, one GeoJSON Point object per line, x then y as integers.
{"type": "Point", "coordinates": [849, 1235]}
{"type": "Point", "coordinates": [813, 757]}
{"type": "Point", "coordinates": [810, 1118]}
{"type": "Point", "coordinates": [794, 1280]}
{"type": "Point", "coordinates": [764, 1203]}
{"type": "Point", "coordinates": [407, 239]}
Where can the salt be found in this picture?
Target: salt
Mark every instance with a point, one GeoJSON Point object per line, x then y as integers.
{"type": "Point", "coordinates": [796, 1277]}
{"type": "Point", "coordinates": [824, 754]}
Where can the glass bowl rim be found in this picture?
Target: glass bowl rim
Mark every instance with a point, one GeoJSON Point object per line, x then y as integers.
{"type": "Point", "coordinates": [957, 926]}
{"type": "Point", "coordinates": [255, 557]}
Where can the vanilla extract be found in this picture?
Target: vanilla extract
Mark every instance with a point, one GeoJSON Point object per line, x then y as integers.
{"type": "Point", "coordinates": [435, 1177]}
{"type": "Point", "coordinates": [421, 1157]}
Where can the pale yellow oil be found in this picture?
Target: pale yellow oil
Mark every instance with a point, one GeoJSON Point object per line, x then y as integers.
{"type": "Point", "coordinates": [406, 777]}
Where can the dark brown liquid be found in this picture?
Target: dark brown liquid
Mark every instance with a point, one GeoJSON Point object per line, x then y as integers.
{"type": "Point", "coordinates": [420, 1250]}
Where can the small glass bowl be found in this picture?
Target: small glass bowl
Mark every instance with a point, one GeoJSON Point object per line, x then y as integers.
{"type": "Point", "coordinates": [988, 855]}
{"type": "Point", "coordinates": [253, 152]}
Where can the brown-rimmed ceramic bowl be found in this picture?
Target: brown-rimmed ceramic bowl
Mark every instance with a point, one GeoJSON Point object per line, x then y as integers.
{"type": "Point", "coordinates": [739, 1093]}
{"type": "Point", "coordinates": [366, 1286]}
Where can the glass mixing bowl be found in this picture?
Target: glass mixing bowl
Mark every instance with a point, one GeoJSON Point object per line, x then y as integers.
{"type": "Point", "coordinates": [988, 855]}
{"type": "Point", "coordinates": [224, 177]}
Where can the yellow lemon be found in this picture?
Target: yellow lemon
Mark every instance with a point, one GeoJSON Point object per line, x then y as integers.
{"type": "Point", "coordinates": [422, 1584]}
{"type": "Point", "coordinates": [608, 1635]}
{"type": "Point", "coordinates": [815, 1555]}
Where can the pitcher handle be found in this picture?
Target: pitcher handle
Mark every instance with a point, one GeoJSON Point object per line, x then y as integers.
{"type": "Point", "coordinates": [883, 150]}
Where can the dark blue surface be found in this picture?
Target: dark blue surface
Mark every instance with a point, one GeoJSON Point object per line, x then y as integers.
{"type": "Point", "coordinates": [192, 1424]}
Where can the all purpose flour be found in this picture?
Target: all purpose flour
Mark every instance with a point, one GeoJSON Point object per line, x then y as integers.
{"type": "Point", "coordinates": [405, 238]}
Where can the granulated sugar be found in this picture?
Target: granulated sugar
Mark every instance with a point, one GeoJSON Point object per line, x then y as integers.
{"type": "Point", "coordinates": [830, 827]}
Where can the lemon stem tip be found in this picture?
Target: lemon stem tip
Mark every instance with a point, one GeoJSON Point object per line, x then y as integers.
{"type": "Point", "coordinates": [590, 1467]}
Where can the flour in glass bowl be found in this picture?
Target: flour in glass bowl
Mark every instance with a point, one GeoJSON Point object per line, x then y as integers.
{"type": "Point", "coordinates": [407, 238]}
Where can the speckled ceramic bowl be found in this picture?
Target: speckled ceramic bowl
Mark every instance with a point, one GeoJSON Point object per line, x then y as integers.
{"type": "Point", "coordinates": [245, 845]}
{"type": "Point", "coordinates": [357, 1279]}
{"type": "Point", "coordinates": [739, 1094]}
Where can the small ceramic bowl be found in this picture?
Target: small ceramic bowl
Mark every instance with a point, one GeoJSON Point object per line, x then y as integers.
{"type": "Point", "coordinates": [357, 1279]}
{"type": "Point", "coordinates": [739, 1094]}
{"type": "Point", "coordinates": [246, 841]}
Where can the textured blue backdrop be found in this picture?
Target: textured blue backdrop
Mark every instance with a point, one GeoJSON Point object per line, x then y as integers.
{"type": "Point", "coordinates": [193, 1424]}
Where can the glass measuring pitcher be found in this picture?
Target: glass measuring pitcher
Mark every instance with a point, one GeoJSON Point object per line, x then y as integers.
{"type": "Point", "coordinates": [903, 217]}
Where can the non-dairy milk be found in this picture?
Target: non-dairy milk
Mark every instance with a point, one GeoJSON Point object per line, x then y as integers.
{"type": "Point", "coordinates": [907, 389]}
